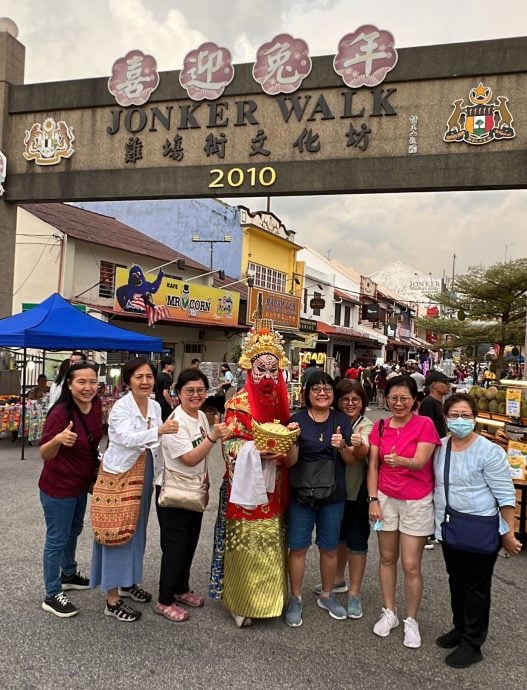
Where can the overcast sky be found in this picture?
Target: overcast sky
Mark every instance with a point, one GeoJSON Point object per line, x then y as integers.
{"type": "Point", "coordinates": [74, 39]}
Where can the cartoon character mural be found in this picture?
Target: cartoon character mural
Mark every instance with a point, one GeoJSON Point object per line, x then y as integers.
{"type": "Point", "coordinates": [137, 294]}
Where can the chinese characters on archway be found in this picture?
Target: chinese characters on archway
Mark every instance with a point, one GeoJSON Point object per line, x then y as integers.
{"type": "Point", "coordinates": [364, 58]}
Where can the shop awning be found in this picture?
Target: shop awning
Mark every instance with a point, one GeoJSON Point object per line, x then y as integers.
{"type": "Point", "coordinates": [396, 343]}
{"type": "Point", "coordinates": [373, 334]}
{"type": "Point", "coordinates": [346, 296]}
{"type": "Point", "coordinates": [345, 333]}
{"type": "Point", "coordinates": [195, 323]}
{"type": "Point", "coordinates": [291, 335]}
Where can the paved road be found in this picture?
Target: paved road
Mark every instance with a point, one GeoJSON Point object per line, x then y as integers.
{"type": "Point", "coordinates": [38, 650]}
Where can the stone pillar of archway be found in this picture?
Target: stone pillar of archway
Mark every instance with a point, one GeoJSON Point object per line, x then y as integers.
{"type": "Point", "coordinates": [12, 59]}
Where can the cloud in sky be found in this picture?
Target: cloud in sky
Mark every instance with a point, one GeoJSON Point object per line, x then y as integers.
{"type": "Point", "coordinates": [72, 39]}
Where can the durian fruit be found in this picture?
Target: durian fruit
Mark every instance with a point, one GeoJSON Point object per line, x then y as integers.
{"type": "Point", "coordinates": [502, 408]}
{"type": "Point", "coordinates": [483, 405]}
{"type": "Point", "coordinates": [502, 396]}
{"type": "Point", "coordinates": [493, 406]}
{"type": "Point", "coordinates": [491, 393]}
{"type": "Point", "coordinates": [474, 392]}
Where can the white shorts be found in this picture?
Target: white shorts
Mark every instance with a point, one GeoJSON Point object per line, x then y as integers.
{"type": "Point", "coordinates": [415, 518]}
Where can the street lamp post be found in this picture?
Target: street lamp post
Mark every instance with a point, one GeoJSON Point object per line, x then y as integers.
{"type": "Point", "coordinates": [226, 238]}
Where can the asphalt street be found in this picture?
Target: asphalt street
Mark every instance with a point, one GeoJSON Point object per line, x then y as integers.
{"type": "Point", "coordinates": [38, 650]}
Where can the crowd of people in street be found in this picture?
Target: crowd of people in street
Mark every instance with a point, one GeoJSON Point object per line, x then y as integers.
{"type": "Point", "coordinates": [340, 476]}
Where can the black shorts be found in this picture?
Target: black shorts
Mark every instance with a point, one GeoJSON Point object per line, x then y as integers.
{"type": "Point", "coordinates": [355, 528]}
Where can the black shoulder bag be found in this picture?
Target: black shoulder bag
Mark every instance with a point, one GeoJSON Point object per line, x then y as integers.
{"type": "Point", "coordinates": [466, 532]}
{"type": "Point", "coordinates": [315, 483]}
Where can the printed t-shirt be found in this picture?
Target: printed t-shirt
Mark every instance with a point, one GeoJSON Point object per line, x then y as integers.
{"type": "Point", "coordinates": [401, 482]}
{"type": "Point", "coordinates": [72, 470]}
{"type": "Point", "coordinates": [192, 431]}
{"type": "Point", "coordinates": [312, 449]}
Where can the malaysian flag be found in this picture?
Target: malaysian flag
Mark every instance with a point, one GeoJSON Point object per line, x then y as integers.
{"type": "Point", "coordinates": [156, 313]}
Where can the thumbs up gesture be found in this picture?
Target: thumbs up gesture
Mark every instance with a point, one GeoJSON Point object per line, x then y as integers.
{"type": "Point", "coordinates": [392, 459]}
{"type": "Point", "coordinates": [356, 437]}
{"type": "Point", "coordinates": [337, 439]}
{"type": "Point", "coordinates": [68, 436]}
{"type": "Point", "coordinates": [219, 430]}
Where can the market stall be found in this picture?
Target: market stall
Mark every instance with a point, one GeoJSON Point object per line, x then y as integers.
{"type": "Point", "coordinates": [55, 325]}
{"type": "Point", "coordinates": [502, 418]}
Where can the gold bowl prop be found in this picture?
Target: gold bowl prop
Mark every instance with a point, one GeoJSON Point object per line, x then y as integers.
{"type": "Point", "coordinates": [273, 437]}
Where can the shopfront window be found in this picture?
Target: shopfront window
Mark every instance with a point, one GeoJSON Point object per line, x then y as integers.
{"type": "Point", "coordinates": [267, 278]}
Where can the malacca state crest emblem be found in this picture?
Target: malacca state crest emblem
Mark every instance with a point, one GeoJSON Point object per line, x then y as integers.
{"type": "Point", "coordinates": [48, 142]}
{"type": "Point", "coordinates": [481, 121]}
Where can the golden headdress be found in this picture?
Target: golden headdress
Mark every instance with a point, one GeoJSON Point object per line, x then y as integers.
{"type": "Point", "coordinates": [262, 339]}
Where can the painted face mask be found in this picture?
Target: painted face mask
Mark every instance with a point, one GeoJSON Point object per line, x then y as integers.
{"type": "Point", "coordinates": [461, 427]}
{"type": "Point", "coordinates": [265, 370]}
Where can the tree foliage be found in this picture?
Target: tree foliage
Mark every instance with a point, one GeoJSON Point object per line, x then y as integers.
{"type": "Point", "coordinates": [487, 305]}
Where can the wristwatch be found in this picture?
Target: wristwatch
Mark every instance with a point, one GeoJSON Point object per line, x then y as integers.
{"type": "Point", "coordinates": [370, 499]}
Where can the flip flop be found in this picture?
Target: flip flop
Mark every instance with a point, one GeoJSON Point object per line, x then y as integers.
{"type": "Point", "coordinates": [190, 599]}
{"type": "Point", "coordinates": [173, 613]}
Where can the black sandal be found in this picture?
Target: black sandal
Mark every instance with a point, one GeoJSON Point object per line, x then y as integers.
{"type": "Point", "coordinates": [122, 612]}
{"type": "Point", "coordinates": [136, 593]}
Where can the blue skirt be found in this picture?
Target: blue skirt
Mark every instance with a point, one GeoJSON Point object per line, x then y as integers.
{"type": "Point", "coordinates": [122, 566]}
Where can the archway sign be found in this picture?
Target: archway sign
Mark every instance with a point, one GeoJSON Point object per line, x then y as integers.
{"type": "Point", "coordinates": [367, 119]}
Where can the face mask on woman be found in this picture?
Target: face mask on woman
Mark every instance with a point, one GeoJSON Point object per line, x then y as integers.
{"type": "Point", "coordinates": [461, 427]}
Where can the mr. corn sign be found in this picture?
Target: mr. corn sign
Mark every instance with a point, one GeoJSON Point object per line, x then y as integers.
{"type": "Point", "coordinates": [367, 118]}
{"type": "Point", "coordinates": [159, 297]}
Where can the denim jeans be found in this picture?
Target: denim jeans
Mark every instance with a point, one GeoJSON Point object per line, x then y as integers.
{"type": "Point", "coordinates": [64, 522]}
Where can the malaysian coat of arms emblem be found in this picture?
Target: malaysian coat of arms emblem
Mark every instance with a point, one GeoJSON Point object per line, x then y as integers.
{"type": "Point", "coordinates": [49, 142]}
{"type": "Point", "coordinates": [481, 121]}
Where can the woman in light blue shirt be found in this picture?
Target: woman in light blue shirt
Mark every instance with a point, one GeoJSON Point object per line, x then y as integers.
{"type": "Point", "coordinates": [480, 484]}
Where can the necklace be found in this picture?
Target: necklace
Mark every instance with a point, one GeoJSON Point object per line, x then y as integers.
{"type": "Point", "coordinates": [320, 425]}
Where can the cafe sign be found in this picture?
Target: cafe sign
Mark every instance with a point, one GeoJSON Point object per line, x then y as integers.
{"type": "Point", "coordinates": [145, 294]}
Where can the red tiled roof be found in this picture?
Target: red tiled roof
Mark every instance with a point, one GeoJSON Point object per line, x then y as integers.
{"type": "Point", "coordinates": [89, 226]}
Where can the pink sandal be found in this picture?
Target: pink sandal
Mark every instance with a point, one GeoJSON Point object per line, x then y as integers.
{"type": "Point", "coordinates": [190, 599]}
{"type": "Point", "coordinates": [171, 612]}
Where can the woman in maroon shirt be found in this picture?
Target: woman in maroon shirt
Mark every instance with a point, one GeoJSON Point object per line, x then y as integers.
{"type": "Point", "coordinates": [69, 443]}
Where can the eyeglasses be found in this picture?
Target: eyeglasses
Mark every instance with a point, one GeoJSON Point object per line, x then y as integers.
{"type": "Point", "coordinates": [404, 399]}
{"type": "Point", "coordinates": [194, 391]}
{"type": "Point", "coordinates": [351, 401]}
{"type": "Point", "coordinates": [462, 415]}
{"type": "Point", "coordinates": [322, 389]}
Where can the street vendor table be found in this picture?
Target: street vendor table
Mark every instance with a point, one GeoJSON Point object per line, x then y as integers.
{"type": "Point", "coordinates": [520, 512]}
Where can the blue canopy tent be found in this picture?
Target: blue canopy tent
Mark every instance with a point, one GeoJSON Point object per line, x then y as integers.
{"type": "Point", "coordinates": [55, 324]}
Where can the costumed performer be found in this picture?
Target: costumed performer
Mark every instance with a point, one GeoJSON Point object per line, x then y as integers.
{"type": "Point", "coordinates": [249, 560]}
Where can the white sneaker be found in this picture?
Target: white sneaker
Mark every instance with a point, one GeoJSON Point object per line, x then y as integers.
{"type": "Point", "coordinates": [386, 623]}
{"type": "Point", "coordinates": [412, 637]}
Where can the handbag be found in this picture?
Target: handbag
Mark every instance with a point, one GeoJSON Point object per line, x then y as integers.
{"type": "Point", "coordinates": [314, 483]}
{"type": "Point", "coordinates": [116, 503]}
{"type": "Point", "coordinates": [464, 531]}
{"type": "Point", "coordinates": [183, 490]}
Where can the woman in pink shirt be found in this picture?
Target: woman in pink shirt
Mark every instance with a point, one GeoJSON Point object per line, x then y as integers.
{"type": "Point", "coordinates": [400, 492]}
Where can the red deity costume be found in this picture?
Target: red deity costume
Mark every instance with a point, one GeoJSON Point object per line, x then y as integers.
{"type": "Point", "coordinates": [249, 560]}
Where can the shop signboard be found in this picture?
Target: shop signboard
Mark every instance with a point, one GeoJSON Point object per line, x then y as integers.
{"type": "Point", "coordinates": [160, 297]}
{"type": "Point", "coordinates": [371, 312]}
{"type": "Point", "coordinates": [283, 309]}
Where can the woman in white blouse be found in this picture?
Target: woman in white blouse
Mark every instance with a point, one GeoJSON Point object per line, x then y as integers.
{"type": "Point", "coordinates": [134, 425]}
{"type": "Point", "coordinates": [187, 451]}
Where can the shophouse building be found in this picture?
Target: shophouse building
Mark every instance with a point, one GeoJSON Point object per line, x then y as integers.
{"type": "Point", "coordinates": [94, 261]}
